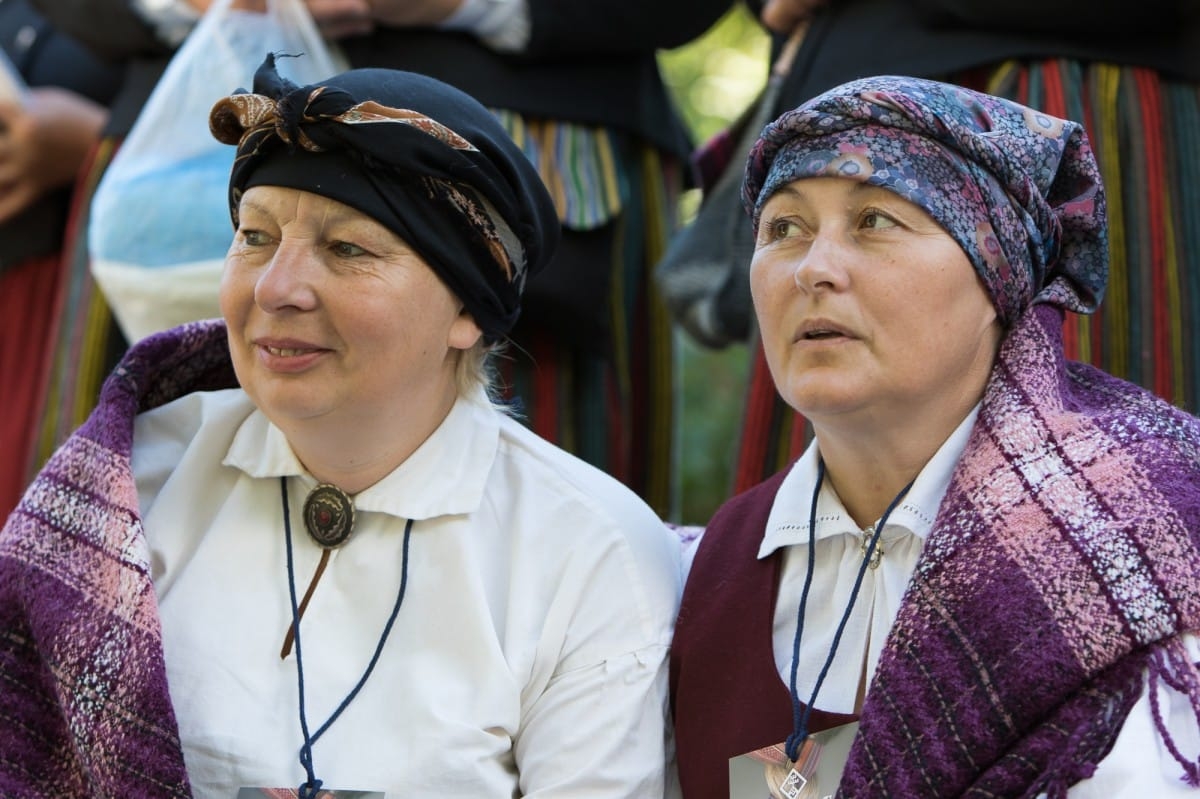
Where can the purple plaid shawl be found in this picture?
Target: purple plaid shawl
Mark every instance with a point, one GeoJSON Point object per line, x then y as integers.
{"type": "Point", "coordinates": [83, 690]}
{"type": "Point", "coordinates": [1062, 567]}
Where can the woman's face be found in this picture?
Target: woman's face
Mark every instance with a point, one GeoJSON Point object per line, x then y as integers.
{"type": "Point", "coordinates": [331, 315]}
{"type": "Point", "coordinates": [869, 311]}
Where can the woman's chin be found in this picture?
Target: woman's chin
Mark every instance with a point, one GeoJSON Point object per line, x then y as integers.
{"type": "Point", "coordinates": [285, 411]}
{"type": "Point", "coordinates": [816, 399]}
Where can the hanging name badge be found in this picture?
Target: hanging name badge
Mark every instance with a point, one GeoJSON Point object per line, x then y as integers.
{"type": "Point", "coordinates": [815, 774]}
{"type": "Point", "coordinates": [294, 793]}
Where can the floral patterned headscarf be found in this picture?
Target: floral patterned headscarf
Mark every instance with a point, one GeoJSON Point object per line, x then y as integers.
{"type": "Point", "coordinates": [422, 158]}
{"type": "Point", "coordinates": [1018, 190]}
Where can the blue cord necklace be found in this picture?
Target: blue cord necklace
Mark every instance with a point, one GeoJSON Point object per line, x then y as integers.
{"type": "Point", "coordinates": [312, 785]}
{"type": "Point", "coordinates": [801, 713]}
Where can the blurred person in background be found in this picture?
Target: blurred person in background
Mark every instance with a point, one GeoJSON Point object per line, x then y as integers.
{"type": "Point", "coordinates": [51, 115]}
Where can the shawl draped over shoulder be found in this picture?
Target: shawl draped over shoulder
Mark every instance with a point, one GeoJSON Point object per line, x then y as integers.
{"type": "Point", "coordinates": [83, 690]}
{"type": "Point", "coordinates": [1060, 575]}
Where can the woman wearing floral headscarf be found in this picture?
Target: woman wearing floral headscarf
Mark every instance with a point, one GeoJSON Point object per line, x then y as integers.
{"type": "Point", "coordinates": [300, 550]}
{"type": "Point", "coordinates": [987, 557]}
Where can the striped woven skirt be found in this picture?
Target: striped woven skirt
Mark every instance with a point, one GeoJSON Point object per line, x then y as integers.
{"type": "Point", "coordinates": [28, 291]}
{"type": "Point", "coordinates": [608, 401]}
{"type": "Point", "coordinates": [1146, 134]}
{"type": "Point", "coordinates": [83, 342]}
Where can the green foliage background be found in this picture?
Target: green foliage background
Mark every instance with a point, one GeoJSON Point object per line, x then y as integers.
{"type": "Point", "coordinates": [715, 76]}
{"type": "Point", "coordinates": [713, 79]}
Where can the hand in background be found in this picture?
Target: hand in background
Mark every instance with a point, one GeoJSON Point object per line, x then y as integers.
{"type": "Point", "coordinates": [782, 16]}
{"type": "Point", "coordinates": [412, 13]}
{"type": "Point", "coordinates": [339, 18]}
{"type": "Point", "coordinates": [43, 144]}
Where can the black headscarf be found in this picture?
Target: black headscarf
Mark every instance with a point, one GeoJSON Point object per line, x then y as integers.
{"type": "Point", "coordinates": [416, 155]}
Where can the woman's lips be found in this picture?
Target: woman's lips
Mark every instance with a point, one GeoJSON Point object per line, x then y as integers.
{"type": "Point", "coordinates": [821, 330]}
{"type": "Point", "coordinates": [286, 352]}
{"type": "Point", "coordinates": [288, 355]}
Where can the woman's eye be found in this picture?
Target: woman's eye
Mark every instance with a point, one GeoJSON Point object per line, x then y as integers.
{"type": "Point", "coordinates": [781, 228]}
{"type": "Point", "coordinates": [345, 249]}
{"type": "Point", "coordinates": [254, 238]}
{"type": "Point", "coordinates": [874, 219]}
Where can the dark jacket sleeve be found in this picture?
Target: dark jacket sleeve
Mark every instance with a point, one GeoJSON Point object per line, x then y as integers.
{"type": "Point", "coordinates": [578, 28]}
{"type": "Point", "coordinates": [1103, 17]}
{"type": "Point", "coordinates": [109, 28]}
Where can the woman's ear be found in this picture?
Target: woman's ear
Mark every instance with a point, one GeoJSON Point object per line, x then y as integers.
{"type": "Point", "coordinates": [464, 333]}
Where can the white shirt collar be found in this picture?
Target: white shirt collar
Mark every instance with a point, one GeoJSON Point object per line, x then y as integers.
{"type": "Point", "coordinates": [445, 475]}
{"type": "Point", "coordinates": [787, 524]}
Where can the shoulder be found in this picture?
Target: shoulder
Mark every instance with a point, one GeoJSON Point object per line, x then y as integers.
{"type": "Point", "coordinates": [578, 499]}
{"type": "Point", "coordinates": [163, 435]}
{"type": "Point", "coordinates": [1131, 419]}
{"type": "Point", "coordinates": [181, 420]}
{"type": "Point", "coordinates": [750, 504]}
{"type": "Point", "coordinates": [736, 529]}
{"type": "Point", "coordinates": [598, 560]}
{"type": "Point", "coordinates": [577, 483]}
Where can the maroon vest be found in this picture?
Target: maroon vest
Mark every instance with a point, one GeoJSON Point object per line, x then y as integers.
{"type": "Point", "coordinates": [726, 692]}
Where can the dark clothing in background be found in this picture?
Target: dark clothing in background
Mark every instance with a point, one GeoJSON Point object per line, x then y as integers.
{"type": "Point", "coordinates": [586, 62]}
{"type": "Point", "coordinates": [929, 38]}
{"type": "Point", "coordinates": [46, 57]}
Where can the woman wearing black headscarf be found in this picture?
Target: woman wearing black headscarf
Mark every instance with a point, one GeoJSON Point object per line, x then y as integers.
{"type": "Point", "coordinates": [472, 612]}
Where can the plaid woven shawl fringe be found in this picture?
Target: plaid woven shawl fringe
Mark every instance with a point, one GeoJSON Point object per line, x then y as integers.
{"type": "Point", "coordinates": [83, 691]}
{"type": "Point", "coordinates": [1061, 571]}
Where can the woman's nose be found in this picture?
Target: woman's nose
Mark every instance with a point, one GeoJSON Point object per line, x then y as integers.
{"type": "Point", "coordinates": [288, 280]}
{"type": "Point", "coordinates": [822, 265]}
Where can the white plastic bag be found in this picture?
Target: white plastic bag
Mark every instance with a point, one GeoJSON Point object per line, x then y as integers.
{"type": "Point", "coordinates": [12, 85]}
{"type": "Point", "coordinates": [160, 224]}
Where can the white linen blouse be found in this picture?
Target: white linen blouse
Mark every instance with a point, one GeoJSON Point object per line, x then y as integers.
{"type": "Point", "coordinates": [528, 657]}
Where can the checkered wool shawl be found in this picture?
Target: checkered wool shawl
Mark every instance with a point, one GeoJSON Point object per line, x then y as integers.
{"type": "Point", "coordinates": [83, 690]}
{"type": "Point", "coordinates": [1062, 568]}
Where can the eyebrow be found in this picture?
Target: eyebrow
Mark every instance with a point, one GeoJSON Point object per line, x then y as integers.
{"type": "Point", "coordinates": [244, 205]}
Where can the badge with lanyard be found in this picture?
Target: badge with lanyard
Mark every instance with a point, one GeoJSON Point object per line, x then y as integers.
{"type": "Point", "coordinates": [813, 775]}
{"type": "Point", "coordinates": [792, 768]}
